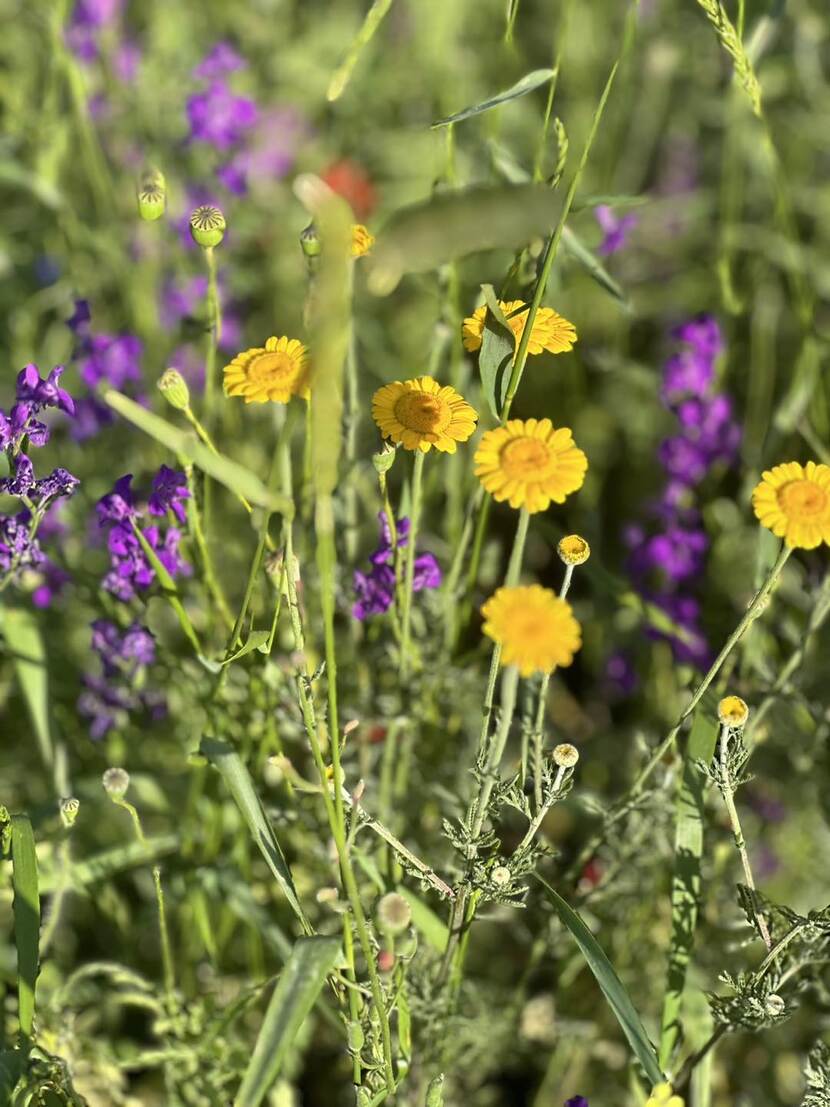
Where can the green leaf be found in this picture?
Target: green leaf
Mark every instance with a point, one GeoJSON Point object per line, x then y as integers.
{"type": "Point", "coordinates": [610, 983]}
{"type": "Point", "coordinates": [498, 344]}
{"type": "Point", "coordinates": [528, 83]}
{"type": "Point", "coordinates": [374, 18]}
{"type": "Point", "coordinates": [594, 267]}
{"type": "Point", "coordinates": [256, 640]}
{"type": "Point", "coordinates": [239, 480]}
{"type": "Point", "coordinates": [425, 921]}
{"type": "Point", "coordinates": [299, 984]}
{"type": "Point", "coordinates": [101, 866]}
{"type": "Point", "coordinates": [11, 1069]}
{"type": "Point", "coordinates": [453, 224]}
{"type": "Point", "coordinates": [686, 881]}
{"type": "Point", "coordinates": [225, 758]}
{"type": "Point", "coordinates": [26, 919]}
{"type": "Point", "coordinates": [25, 643]}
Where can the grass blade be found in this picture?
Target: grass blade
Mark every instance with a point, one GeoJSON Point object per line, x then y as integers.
{"type": "Point", "coordinates": [225, 758]}
{"type": "Point", "coordinates": [610, 983]}
{"type": "Point", "coordinates": [101, 866]}
{"type": "Point", "coordinates": [593, 266]}
{"type": "Point", "coordinates": [299, 984]}
{"type": "Point", "coordinates": [686, 882]}
{"type": "Point", "coordinates": [25, 644]}
{"type": "Point", "coordinates": [26, 919]}
{"type": "Point", "coordinates": [528, 83]}
{"type": "Point", "coordinates": [374, 18]}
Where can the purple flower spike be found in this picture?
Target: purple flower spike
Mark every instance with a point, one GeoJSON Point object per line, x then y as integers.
{"type": "Point", "coordinates": [686, 374]}
{"type": "Point", "coordinates": [615, 230]}
{"type": "Point", "coordinates": [375, 590]}
{"type": "Point", "coordinates": [169, 492]}
{"type": "Point", "coordinates": [117, 505]}
{"type": "Point", "coordinates": [577, 1101]}
{"type": "Point", "coordinates": [43, 393]}
{"type": "Point", "coordinates": [221, 60]}
{"type": "Point", "coordinates": [703, 334]}
{"type": "Point", "coordinates": [23, 480]}
{"type": "Point", "coordinates": [219, 117]}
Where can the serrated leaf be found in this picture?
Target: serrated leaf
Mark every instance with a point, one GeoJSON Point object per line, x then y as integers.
{"type": "Point", "coordinates": [611, 985]}
{"type": "Point", "coordinates": [225, 758]}
{"type": "Point", "coordinates": [299, 984]}
{"type": "Point", "coordinates": [256, 640]}
{"type": "Point", "coordinates": [235, 477]}
{"type": "Point", "coordinates": [453, 224]}
{"type": "Point", "coordinates": [498, 345]}
{"type": "Point", "coordinates": [592, 265]}
{"type": "Point", "coordinates": [26, 919]}
{"type": "Point", "coordinates": [528, 83]}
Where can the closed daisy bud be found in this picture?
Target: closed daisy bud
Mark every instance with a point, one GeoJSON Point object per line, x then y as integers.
{"type": "Point", "coordinates": [173, 386]}
{"type": "Point", "coordinates": [393, 914]}
{"type": "Point", "coordinates": [152, 196]}
{"type": "Point", "coordinates": [565, 755]}
{"type": "Point", "coordinates": [732, 711]}
{"type": "Point", "coordinates": [384, 459]}
{"type": "Point", "coordinates": [573, 550]}
{"type": "Point", "coordinates": [69, 810]}
{"type": "Point", "coordinates": [500, 876]}
{"type": "Point", "coordinates": [116, 781]}
{"type": "Point", "coordinates": [310, 241]}
{"type": "Point", "coordinates": [207, 226]}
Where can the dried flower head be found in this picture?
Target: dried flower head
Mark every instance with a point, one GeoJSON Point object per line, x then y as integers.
{"type": "Point", "coordinates": [116, 781]}
{"type": "Point", "coordinates": [793, 501]}
{"type": "Point", "coordinates": [565, 755]}
{"type": "Point", "coordinates": [550, 331]}
{"type": "Point", "coordinates": [393, 913]}
{"type": "Point", "coordinates": [536, 630]}
{"type": "Point", "coordinates": [271, 373]}
{"type": "Point", "coordinates": [207, 225]}
{"type": "Point", "coordinates": [530, 463]}
{"type": "Point", "coordinates": [420, 413]}
{"type": "Point", "coordinates": [732, 711]}
{"type": "Point", "coordinates": [573, 550]}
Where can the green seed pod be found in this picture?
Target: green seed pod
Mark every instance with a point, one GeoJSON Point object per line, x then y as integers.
{"type": "Point", "coordinates": [310, 241]}
{"type": "Point", "coordinates": [435, 1092]}
{"type": "Point", "coordinates": [384, 459]}
{"type": "Point", "coordinates": [207, 226]}
{"type": "Point", "coordinates": [173, 386]}
{"type": "Point", "coordinates": [152, 195]}
{"type": "Point", "coordinates": [69, 810]}
{"type": "Point", "coordinates": [393, 914]}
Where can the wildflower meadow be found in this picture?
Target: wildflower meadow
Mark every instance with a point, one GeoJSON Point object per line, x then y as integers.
{"type": "Point", "coordinates": [414, 570]}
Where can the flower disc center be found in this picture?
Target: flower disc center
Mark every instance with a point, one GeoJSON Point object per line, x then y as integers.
{"type": "Point", "coordinates": [527, 459]}
{"type": "Point", "coordinates": [803, 499]}
{"type": "Point", "coordinates": [271, 367]}
{"type": "Point", "coordinates": [419, 411]}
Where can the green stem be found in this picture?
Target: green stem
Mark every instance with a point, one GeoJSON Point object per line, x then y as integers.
{"type": "Point", "coordinates": [214, 333]}
{"type": "Point", "coordinates": [409, 564]}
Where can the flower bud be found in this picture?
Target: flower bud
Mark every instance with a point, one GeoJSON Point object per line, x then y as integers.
{"type": "Point", "coordinates": [500, 876]}
{"type": "Point", "coordinates": [393, 914]}
{"type": "Point", "coordinates": [565, 755]}
{"type": "Point", "coordinates": [573, 550]}
{"type": "Point", "coordinates": [207, 226]}
{"type": "Point", "coordinates": [774, 1005]}
{"type": "Point", "coordinates": [152, 195]}
{"type": "Point", "coordinates": [116, 782]}
{"type": "Point", "coordinates": [173, 387]}
{"type": "Point", "coordinates": [384, 459]}
{"type": "Point", "coordinates": [386, 960]}
{"type": "Point", "coordinates": [732, 712]}
{"type": "Point", "coordinates": [362, 241]}
{"type": "Point", "coordinates": [310, 241]}
{"type": "Point", "coordinates": [69, 808]}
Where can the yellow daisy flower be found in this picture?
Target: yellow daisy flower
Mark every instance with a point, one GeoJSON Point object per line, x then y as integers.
{"type": "Point", "coordinates": [732, 711]}
{"type": "Point", "coordinates": [662, 1096]}
{"type": "Point", "coordinates": [794, 502]}
{"type": "Point", "coordinates": [550, 331]}
{"type": "Point", "coordinates": [421, 413]}
{"type": "Point", "coordinates": [529, 462]}
{"type": "Point", "coordinates": [536, 630]}
{"type": "Point", "coordinates": [274, 373]}
{"type": "Point", "coordinates": [362, 241]}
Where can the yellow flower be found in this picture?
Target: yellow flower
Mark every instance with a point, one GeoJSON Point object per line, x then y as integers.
{"type": "Point", "coordinates": [528, 462]}
{"type": "Point", "coordinates": [732, 711]}
{"type": "Point", "coordinates": [794, 502]}
{"type": "Point", "coordinates": [420, 413]}
{"type": "Point", "coordinates": [573, 549]}
{"type": "Point", "coordinates": [275, 372]}
{"type": "Point", "coordinates": [550, 331]}
{"type": "Point", "coordinates": [362, 241]}
{"type": "Point", "coordinates": [661, 1096]}
{"type": "Point", "coordinates": [536, 630]}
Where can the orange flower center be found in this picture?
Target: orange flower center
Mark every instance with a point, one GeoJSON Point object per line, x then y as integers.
{"type": "Point", "coordinates": [422, 412]}
{"type": "Point", "coordinates": [527, 459]}
{"type": "Point", "coordinates": [803, 499]}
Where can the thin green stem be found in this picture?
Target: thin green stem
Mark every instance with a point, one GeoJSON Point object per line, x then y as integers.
{"type": "Point", "coordinates": [409, 564]}
{"type": "Point", "coordinates": [214, 333]}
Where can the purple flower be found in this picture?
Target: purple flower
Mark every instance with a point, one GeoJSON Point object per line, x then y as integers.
{"type": "Point", "coordinates": [135, 647]}
{"type": "Point", "coordinates": [615, 230]}
{"type": "Point", "coordinates": [169, 492]}
{"type": "Point", "coordinates": [17, 549]}
{"type": "Point", "coordinates": [91, 416]}
{"type": "Point", "coordinates": [268, 154]}
{"type": "Point", "coordinates": [703, 334]}
{"type": "Point", "coordinates": [375, 590]}
{"type": "Point", "coordinates": [219, 117]}
{"type": "Point", "coordinates": [678, 553]}
{"type": "Point", "coordinates": [79, 319]}
{"type": "Point", "coordinates": [113, 358]}
{"type": "Point", "coordinates": [620, 677]}
{"type": "Point", "coordinates": [138, 645]}
{"type": "Point", "coordinates": [117, 505]}
{"type": "Point", "coordinates": [577, 1101]}
{"type": "Point", "coordinates": [52, 582]}
{"type": "Point", "coordinates": [22, 481]}
{"type": "Point", "coordinates": [688, 373]}
{"type": "Point", "coordinates": [182, 301]}
{"type": "Point", "coordinates": [126, 60]}
{"type": "Point", "coordinates": [685, 461]}
{"type": "Point", "coordinates": [96, 13]}
{"type": "Point", "coordinates": [60, 482]}
{"type": "Point", "coordinates": [708, 423]}
{"type": "Point", "coordinates": [32, 389]}
{"type": "Point", "coordinates": [124, 655]}
{"type": "Point", "coordinates": [105, 706]}
{"type": "Point", "coordinates": [222, 59]}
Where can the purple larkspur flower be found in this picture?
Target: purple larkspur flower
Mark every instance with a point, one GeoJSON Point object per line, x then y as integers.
{"type": "Point", "coordinates": [134, 647]}
{"type": "Point", "coordinates": [60, 482]}
{"type": "Point", "coordinates": [39, 393]}
{"type": "Point", "coordinates": [685, 461]}
{"type": "Point", "coordinates": [703, 334]}
{"type": "Point", "coordinates": [114, 358]}
{"type": "Point", "coordinates": [615, 229]}
{"type": "Point", "coordinates": [78, 322]}
{"type": "Point", "coordinates": [620, 678]}
{"type": "Point", "coordinates": [118, 505]}
{"type": "Point", "coordinates": [169, 493]}
{"type": "Point", "coordinates": [23, 480]}
{"type": "Point", "coordinates": [18, 550]}
{"type": "Point", "coordinates": [375, 590]}
{"type": "Point", "coordinates": [678, 553]}
{"type": "Point", "coordinates": [218, 117]}
{"type": "Point", "coordinates": [91, 416]}
{"type": "Point", "coordinates": [53, 580]}
{"type": "Point", "coordinates": [708, 423]}
{"type": "Point", "coordinates": [222, 59]}
{"type": "Point", "coordinates": [96, 13]}
{"type": "Point", "coordinates": [104, 705]}
{"type": "Point", "coordinates": [126, 60]}
{"type": "Point", "coordinates": [268, 154]}
{"type": "Point", "coordinates": [577, 1101]}
{"type": "Point", "coordinates": [691, 646]}
{"type": "Point", "coordinates": [688, 373]}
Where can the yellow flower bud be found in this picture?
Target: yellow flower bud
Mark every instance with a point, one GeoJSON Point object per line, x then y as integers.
{"type": "Point", "coordinates": [732, 712]}
{"type": "Point", "coordinates": [573, 550]}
